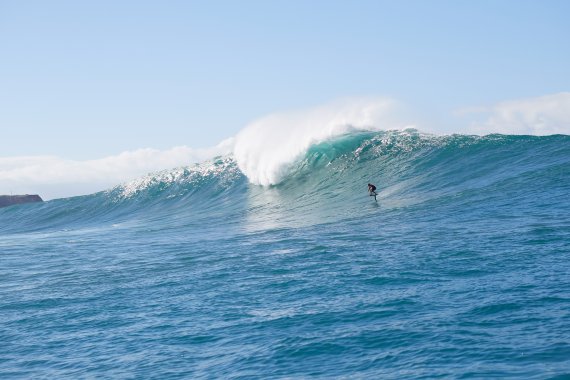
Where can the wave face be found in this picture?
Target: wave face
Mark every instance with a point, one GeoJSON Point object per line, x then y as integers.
{"type": "Point", "coordinates": [462, 260]}
{"type": "Point", "coordinates": [411, 169]}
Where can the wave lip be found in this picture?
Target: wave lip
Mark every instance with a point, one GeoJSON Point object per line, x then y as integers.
{"type": "Point", "coordinates": [266, 149]}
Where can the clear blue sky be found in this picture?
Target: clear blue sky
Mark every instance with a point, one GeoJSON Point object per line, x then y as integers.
{"type": "Point", "coordinates": [83, 79]}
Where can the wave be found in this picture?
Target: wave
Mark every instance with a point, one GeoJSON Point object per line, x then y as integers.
{"type": "Point", "coordinates": [267, 148]}
{"type": "Point", "coordinates": [324, 183]}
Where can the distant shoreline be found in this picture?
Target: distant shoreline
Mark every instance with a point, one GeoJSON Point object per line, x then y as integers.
{"type": "Point", "coordinates": [10, 200]}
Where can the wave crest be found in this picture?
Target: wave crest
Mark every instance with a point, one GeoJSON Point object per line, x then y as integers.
{"type": "Point", "coordinates": [266, 149]}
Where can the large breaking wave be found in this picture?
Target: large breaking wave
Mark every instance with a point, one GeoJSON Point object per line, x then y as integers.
{"type": "Point", "coordinates": [266, 149]}
{"type": "Point", "coordinates": [323, 182]}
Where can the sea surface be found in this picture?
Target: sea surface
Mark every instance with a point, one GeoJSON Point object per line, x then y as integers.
{"type": "Point", "coordinates": [460, 269]}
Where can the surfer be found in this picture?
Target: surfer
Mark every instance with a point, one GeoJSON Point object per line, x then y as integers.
{"type": "Point", "coordinates": [372, 190]}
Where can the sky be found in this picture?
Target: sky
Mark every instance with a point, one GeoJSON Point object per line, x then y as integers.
{"type": "Point", "coordinates": [155, 84]}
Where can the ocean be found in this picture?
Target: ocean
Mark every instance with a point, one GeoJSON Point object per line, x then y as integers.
{"type": "Point", "coordinates": [460, 269]}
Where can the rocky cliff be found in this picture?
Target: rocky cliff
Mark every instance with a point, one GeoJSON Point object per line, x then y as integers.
{"type": "Point", "coordinates": [9, 200]}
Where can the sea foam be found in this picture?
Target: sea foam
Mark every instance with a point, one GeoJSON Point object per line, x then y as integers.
{"type": "Point", "coordinates": [265, 149]}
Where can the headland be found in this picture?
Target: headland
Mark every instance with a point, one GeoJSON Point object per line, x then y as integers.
{"type": "Point", "coordinates": [9, 200]}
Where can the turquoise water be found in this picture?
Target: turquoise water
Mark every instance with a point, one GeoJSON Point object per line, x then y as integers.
{"type": "Point", "coordinates": [460, 270]}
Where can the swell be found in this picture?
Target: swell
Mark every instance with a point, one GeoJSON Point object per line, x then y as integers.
{"type": "Point", "coordinates": [456, 174]}
{"type": "Point", "coordinates": [167, 197]}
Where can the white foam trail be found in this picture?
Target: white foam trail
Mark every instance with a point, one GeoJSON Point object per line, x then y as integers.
{"type": "Point", "coordinates": [266, 148]}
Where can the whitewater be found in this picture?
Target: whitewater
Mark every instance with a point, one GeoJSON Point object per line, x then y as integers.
{"type": "Point", "coordinates": [271, 261]}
